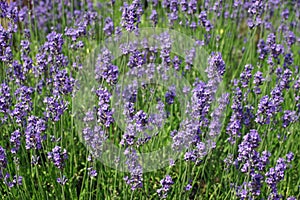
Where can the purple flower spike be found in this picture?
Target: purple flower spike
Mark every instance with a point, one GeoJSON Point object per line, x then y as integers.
{"type": "Point", "coordinates": [170, 95]}
{"type": "Point", "coordinates": [33, 133]}
{"type": "Point", "coordinates": [135, 180]}
{"type": "Point", "coordinates": [154, 17]}
{"type": "Point", "coordinates": [274, 176]}
{"type": "Point", "coordinates": [15, 140]}
{"type": "Point", "coordinates": [109, 26]}
{"type": "Point", "coordinates": [5, 101]}
{"type": "Point", "coordinates": [92, 172]}
{"type": "Point", "coordinates": [246, 75]}
{"type": "Point", "coordinates": [166, 184]}
{"type": "Point", "coordinates": [104, 113]}
{"type": "Point", "coordinates": [3, 160]}
{"type": "Point", "coordinates": [131, 15]}
{"type": "Point", "coordinates": [62, 180]}
{"type": "Point", "coordinates": [58, 156]}
{"type": "Point", "coordinates": [105, 69]}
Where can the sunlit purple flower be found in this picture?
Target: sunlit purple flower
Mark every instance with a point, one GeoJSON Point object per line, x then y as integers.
{"type": "Point", "coordinates": [136, 59]}
{"type": "Point", "coordinates": [246, 75]}
{"type": "Point", "coordinates": [289, 117]}
{"type": "Point", "coordinates": [217, 61]}
{"type": "Point", "coordinates": [176, 63]}
{"type": "Point", "coordinates": [154, 17]}
{"type": "Point", "coordinates": [192, 7]}
{"type": "Point", "coordinates": [170, 95]}
{"type": "Point", "coordinates": [173, 16]}
{"type": "Point", "coordinates": [188, 187]}
{"type": "Point", "coordinates": [55, 108]}
{"type": "Point", "coordinates": [274, 176]}
{"type": "Point", "coordinates": [50, 58]}
{"type": "Point", "coordinates": [135, 180]}
{"type": "Point", "coordinates": [108, 26]}
{"type": "Point", "coordinates": [131, 15]}
{"type": "Point", "coordinates": [33, 133]}
{"type": "Point", "coordinates": [266, 110]}
{"type": "Point", "coordinates": [15, 140]}
{"type": "Point", "coordinates": [17, 180]}
{"type": "Point", "coordinates": [285, 14]}
{"type": "Point", "coordinates": [104, 113]}
{"type": "Point", "coordinates": [276, 50]}
{"type": "Point", "coordinates": [94, 138]}
{"type": "Point", "coordinates": [141, 118]}
{"type": "Point", "coordinates": [204, 21]}
{"type": "Point", "coordinates": [75, 33]}
{"type": "Point", "coordinates": [166, 184]}
{"type": "Point", "coordinates": [246, 149]}
{"type": "Point", "coordinates": [62, 180]}
{"type": "Point", "coordinates": [184, 5]}
{"type": "Point", "coordinates": [24, 103]}
{"type": "Point", "coordinates": [290, 38]}
{"type": "Point", "coordinates": [263, 49]}
{"type": "Point", "coordinates": [105, 69]}
{"type": "Point", "coordinates": [129, 137]}
{"type": "Point", "coordinates": [263, 160]}
{"type": "Point", "coordinates": [242, 191]}
{"type": "Point", "coordinates": [277, 95]}
{"type": "Point", "coordinates": [235, 124]}
{"type": "Point", "coordinates": [16, 72]}
{"type": "Point", "coordinates": [6, 52]}
{"type": "Point", "coordinates": [217, 116]}
{"type": "Point", "coordinates": [5, 101]}
{"type": "Point", "coordinates": [288, 60]}
{"type": "Point", "coordinates": [165, 55]}
{"type": "Point", "coordinates": [290, 157]}
{"type": "Point", "coordinates": [63, 83]}
{"type": "Point", "coordinates": [252, 163]}
{"type": "Point", "coordinates": [92, 172]}
{"type": "Point", "coordinates": [271, 40]}
{"type": "Point", "coordinates": [258, 80]}
{"type": "Point", "coordinates": [3, 161]}
{"type": "Point", "coordinates": [58, 156]}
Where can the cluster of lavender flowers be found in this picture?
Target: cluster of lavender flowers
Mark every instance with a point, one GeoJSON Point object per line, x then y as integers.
{"type": "Point", "coordinates": [131, 15]}
{"type": "Point", "coordinates": [203, 95]}
{"type": "Point", "coordinates": [94, 139]}
{"type": "Point", "coordinates": [58, 157]}
{"type": "Point", "coordinates": [9, 12]}
{"type": "Point", "coordinates": [254, 164]}
{"type": "Point", "coordinates": [276, 174]}
{"type": "Point", "coordinates": [166, 184]}
{"type": "Point", "coordinates": [3, 160]}
{"type": "Point", "coordinates": [31, 76]}
{"type": "Point", "coordinates": [48, 75]}
{"type": "Point", "coordinates": [17, 180]}
{"type": "Point", "coordinates": [33, 133]}
{"type": "Point", "coordinates": [105, 69]}
{"type": "Point", "coordinates": [23, 105]}
{"type": "Point", "coordinates": [5, 101]}
{"type": "Point", "coordinates": [188, 8]}
{"type": "Point", "coordinates": [104, 113]}
{"type": "Point", "coordinates": [135, 180]}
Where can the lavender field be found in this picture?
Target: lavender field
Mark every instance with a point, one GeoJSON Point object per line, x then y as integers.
{"type": "Point", "coordinates": [148, 99]}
